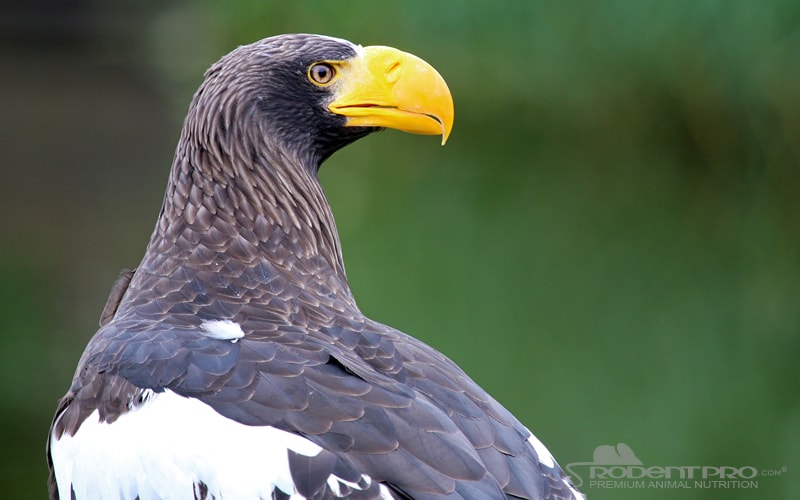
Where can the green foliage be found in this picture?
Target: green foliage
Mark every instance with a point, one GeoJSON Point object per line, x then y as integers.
{"type": "Point", "coordinates": [609, 243]}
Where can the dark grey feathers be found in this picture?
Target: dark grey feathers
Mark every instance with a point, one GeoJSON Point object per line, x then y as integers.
{"type": "Point", "coordinates": [246, 234]}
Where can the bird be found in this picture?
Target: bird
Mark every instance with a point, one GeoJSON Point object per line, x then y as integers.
{"type": "Point", "coordinates": [234, 362]}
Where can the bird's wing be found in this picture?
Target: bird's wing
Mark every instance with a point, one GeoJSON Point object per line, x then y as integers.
{"type": "Point", "coordinates": [379, 402]}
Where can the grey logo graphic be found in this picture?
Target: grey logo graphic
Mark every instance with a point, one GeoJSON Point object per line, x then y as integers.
{"type": "Point", "coordinates": [605, 454]}
{"type": "Point", "coordinates": [621, 455]}
{"type": "Point", "coordinates": [619, 467]}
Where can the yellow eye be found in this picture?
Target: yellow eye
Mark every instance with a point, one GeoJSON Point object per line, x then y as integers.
{"type": "Point", "coordinates": [321, 73]}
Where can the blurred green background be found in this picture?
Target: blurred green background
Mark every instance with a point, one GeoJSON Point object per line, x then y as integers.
{"type": "Point", "coordinates": [609, 243]}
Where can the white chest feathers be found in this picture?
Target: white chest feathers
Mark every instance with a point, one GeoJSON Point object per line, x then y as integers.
{"type": "Point", "coordinates": [168, 446]}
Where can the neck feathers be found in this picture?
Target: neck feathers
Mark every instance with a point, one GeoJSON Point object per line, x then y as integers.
{"type": "Point", "coordinates": [244, 216]}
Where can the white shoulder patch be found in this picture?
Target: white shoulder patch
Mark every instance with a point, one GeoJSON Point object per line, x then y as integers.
{"type": "Point", "coordinates": [545, 457]}
{"type": "Point", "coordinates": [223, 329]}
{"type": "Point", "coordinates": [170, 443]}
{"type": "Point", "coordinates": [577, 494]}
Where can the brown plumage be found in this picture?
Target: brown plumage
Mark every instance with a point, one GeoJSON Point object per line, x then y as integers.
{"type": "Point", "coordinates": [246, 236]}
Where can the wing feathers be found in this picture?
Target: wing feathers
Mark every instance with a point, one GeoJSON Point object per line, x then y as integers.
{"type": "Point", "coordinates": [398, 416]}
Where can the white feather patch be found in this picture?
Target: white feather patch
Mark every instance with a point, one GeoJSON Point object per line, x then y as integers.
{"type": "Point", "coordinates": [545, 457]}
{"type": "Point", "coordinates": [577, 495]}
{"type": "Point", "coordinates": [169, 443]}
{"type": "Point", "coordinates": [358, 48]}
{"type": "Point", "coordinates": [223, 329]}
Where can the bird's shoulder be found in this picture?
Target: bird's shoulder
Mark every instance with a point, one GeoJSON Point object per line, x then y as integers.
{"type": "Point", "coordinates": [385, 399]}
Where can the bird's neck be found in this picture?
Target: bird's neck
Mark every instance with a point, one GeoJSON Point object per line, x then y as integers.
{"type": "Point", "coordinates": [253, 213]}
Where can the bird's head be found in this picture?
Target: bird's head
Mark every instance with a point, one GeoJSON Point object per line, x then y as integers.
{"type": "Point", "coordinates": [308, 95]}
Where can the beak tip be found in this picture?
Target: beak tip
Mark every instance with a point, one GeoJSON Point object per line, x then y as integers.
{"type": "Point", "coordinates": [446, 130]}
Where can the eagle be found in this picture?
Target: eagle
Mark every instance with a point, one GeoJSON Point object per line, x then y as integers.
{"type": "Point", "coordinates": [234, 362]}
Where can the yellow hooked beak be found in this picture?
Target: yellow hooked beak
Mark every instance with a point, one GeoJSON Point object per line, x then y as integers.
{"type": "Point", "coordinates": [385, 87]}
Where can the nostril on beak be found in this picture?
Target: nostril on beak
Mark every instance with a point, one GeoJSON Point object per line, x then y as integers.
{"type": "Point", "coordinates": [393, 72]}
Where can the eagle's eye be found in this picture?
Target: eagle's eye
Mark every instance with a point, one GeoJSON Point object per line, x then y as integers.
{"type": "Point", "coordinates": [322, 73]}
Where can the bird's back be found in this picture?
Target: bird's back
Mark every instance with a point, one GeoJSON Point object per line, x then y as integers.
{"type": "Point", "coordinates": [353, 403]}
